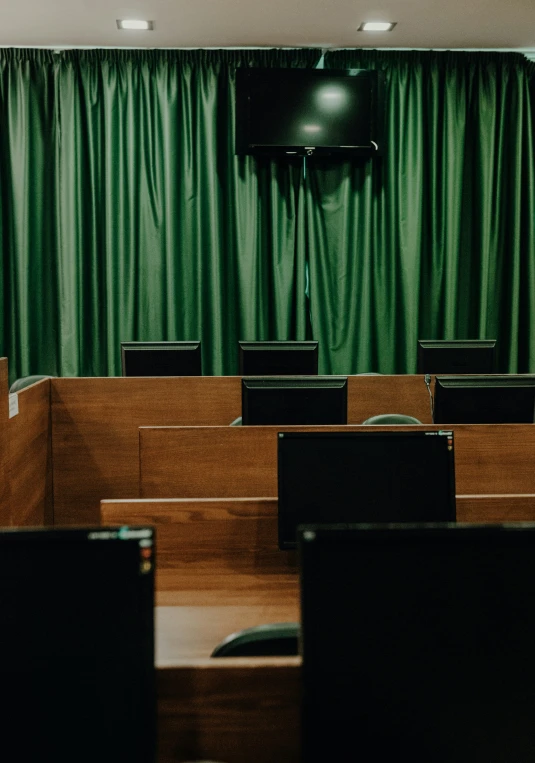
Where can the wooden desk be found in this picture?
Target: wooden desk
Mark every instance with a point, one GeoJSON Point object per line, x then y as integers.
{"type": "Point", "coordinates": [204, 462]}
{"type": "Point", "coordinates": [228, 710]}
{"type": "Point", "coordinates": [95, 426]}
{"type": "Point", "coordinates": [213, 548]}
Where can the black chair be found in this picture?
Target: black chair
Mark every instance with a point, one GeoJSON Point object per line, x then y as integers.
{"type": "Point", "coordinates": [26, 381]}
{"type": "Point", "coordinates": [391, 418]}
{"type": "Point", "coordinates": [272, 640]}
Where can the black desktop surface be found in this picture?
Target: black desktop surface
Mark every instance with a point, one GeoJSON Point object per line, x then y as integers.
{"type": "Point", "coordinates": [459, 356]}
{"type": "Point", "coordinates": [364, 477]}
{"type": "Point", "coordinates": [417, 643]}
{"type": "Point", "coordinates": [294, 400]}
{"type": "Point", "coordinates": [161, 358]}
{"type": "Point", "coordinates": [77, 645]}
{"type": "Point", "coordinates": [490, 399]}
{"type": "Point", "coordinates": [278, 358]}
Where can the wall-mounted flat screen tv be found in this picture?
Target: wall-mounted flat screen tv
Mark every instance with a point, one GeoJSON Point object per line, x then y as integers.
{"type": "Point", "coordinates": [309, 111]}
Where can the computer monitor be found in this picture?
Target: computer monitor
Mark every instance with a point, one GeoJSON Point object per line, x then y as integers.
{"type": "Point", "coordinates": [332, 477]}
{"type": "Point", "coordinates": [294, 400]}
{"type": "Point", "coordinates": [77, 645]}
{"type": "Point", "coordinates": [417, 643]}
{"type": "Point", "coordinates": [484, 399]}
{"type": "Point", "coordinates": [161, 358]}
{"type": "Point", "coordinates": [278, 358]}
{"type": "Point", "coordinates": [459, 356]}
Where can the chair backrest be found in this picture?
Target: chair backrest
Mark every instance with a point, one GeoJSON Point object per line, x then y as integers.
{"type": "Point", "coordinates": [26, 381]}
{"type": "Point", "coordinates": [271, 640]}
{"type": "Point", "coordinates": [391, 418]}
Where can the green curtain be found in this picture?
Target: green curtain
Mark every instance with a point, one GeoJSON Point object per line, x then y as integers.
{"type": "Point", "coordinates": [125, 215]}
{"type": "Point", "coordinates": [437, 238]}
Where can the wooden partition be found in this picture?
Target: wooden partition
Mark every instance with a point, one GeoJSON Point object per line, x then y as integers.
{"type": "Point", "coordinates": [95, 431]}
{"type": "Point", "coordinates": [369, 396]}
{"type": "Point", "coordinates": [5, 508]}
{"type": "Point", "coordinates": [95, 426]}
{"type": "Point", "coordinates": [204, 462]}
{"type": "Point", "coordinates": [213, 548]}
{"type": "Point", "coordinates": [30, 471]}
{"type": "Point", "coordinates": [229, 710]}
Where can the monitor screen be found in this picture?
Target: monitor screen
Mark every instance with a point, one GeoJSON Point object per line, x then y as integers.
{"type": "Point", "coordinates": [460, 356]}
{"type": "Point", "coordinates": [364, 477]}
{"type": "Point", "coordinates": [484, 400]}
{"type": "Point", "coordinates": [77, 639]}
{"type": "Point", "coordinates": [278, 358]}
{"type": "Point", "coordinates": [294, 400]}
{"type": "Point", "coordinates": [417, 643]}
{"type": "Point", "coordinates": [308, 111]}
{"type": "Point", "coordinates": [161, 358]}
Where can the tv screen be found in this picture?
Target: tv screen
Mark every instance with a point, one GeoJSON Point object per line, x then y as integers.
{"type": "Point", "coordinates": [278, 358]}
{"type": "Point", "coordinates": [417, 643]}
{"type": "Point", "coordinates": [77, 637]}
{"type": "Point", "coordinates": [161, 358]}
{"type": "Point", "coordinates": [364, 477]}
{"type": "Point", "coordinates": [484, 399]}
{"type": "Point", "coordinates": [309, 111]}
{"type": "Point", "coordinates": [459, 356]}
{"type": "Point", "coordinates": [294, 400]}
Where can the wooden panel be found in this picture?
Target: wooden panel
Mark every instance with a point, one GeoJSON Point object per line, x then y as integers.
{"type": "Point", "coordinates": [5, 508]}
{"type": "Point", "coordinates": [183, 462]}
{"type": "Point", "coordinates": [235, 711]}
{"type": "Point", "coordinates": [227, 547]}
{"type": "Point", "coordinates": [29, 461]}
{"type": "Point", "coordinates": [372, 395]}
{"type": "Point", "coordinates": [95, 432]}
{"type": "Point", "coordinates": [496, 508]}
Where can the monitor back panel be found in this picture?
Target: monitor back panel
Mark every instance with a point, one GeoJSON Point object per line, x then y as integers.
{"type": "Point", "coordinates": [364, 477]}
{"type": "Point", "coordinates": [294, 400]}
{"type": "Point", "coordinates": [77, 640]}
{"type": "Point", "coordinates": [278, 358]}
{"type": "Point", "coordinates": [418, 644]}
{"type": "Point", "coordinates": [161, 359]}
{"type": "Point", "coordinates": [484, 400]}
{"type": "Point", "coordinates": [456, 357]}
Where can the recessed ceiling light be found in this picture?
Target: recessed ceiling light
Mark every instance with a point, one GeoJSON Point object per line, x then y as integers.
{"type": "Point", "coordinates": [135, 24]}
{"type": "Point", "coordinates": [377, 26]}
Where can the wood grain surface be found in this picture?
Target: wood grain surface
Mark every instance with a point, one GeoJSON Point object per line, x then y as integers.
{"type": "Point", "coordinates": [213, 548]}
{"type": "Point", "coordinates": [95, 425]}
{"type": "Point", "coordinates": [373, 395]}
{"type": "Point", "coordinates": [30, 458]}
{"type": "Point", "coordinates": [95, 432]}
{"type": "Point", "coordinates": [233, 711]}
{"type": "Point", "coordinates": [5, 506]}
{"type": "Point", "coordinates": [496, 508]}
{"type": "Point", "coordinates": [186, 462]}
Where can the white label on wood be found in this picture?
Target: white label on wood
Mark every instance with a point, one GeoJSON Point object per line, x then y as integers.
{"type": "Point", "coordinates": [13, 404]}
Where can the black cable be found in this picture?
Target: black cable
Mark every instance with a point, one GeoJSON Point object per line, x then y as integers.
{"type": "Point", "coordinates": [427, 380]}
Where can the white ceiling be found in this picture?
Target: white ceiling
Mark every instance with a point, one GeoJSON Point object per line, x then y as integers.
{"type": "Point", "coordinates": [468, 24]}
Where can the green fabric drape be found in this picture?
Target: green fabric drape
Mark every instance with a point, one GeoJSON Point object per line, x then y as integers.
{"type": "Point", "coordinates": [437, 238]}
{"type": "Point", "coordinates": [125, 214]}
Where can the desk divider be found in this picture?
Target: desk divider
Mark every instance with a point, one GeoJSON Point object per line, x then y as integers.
{"type": "Point", "coordinates": [229, 462]}
{"type": "Point", "coordinates": [5, 506]}
{"type": "Point", "coordinates": [231, 710]}
{"type": "Point", "coordinates": [95, 426]}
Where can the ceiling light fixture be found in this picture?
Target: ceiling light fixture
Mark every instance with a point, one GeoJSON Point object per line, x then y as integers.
{"type": "Point", "coordinates": [135, 24]}
{"type": "Point", "coordinates": [377, 26]}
